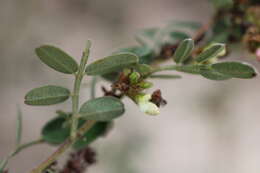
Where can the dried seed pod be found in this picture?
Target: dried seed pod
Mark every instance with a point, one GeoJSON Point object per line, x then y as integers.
{"type": "Point", "coordinates": [158, 99]}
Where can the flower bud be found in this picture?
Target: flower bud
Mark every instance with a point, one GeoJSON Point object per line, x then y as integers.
{"type": "Point", "coordinates": [134, 77]}
{"type": "Point", "coordinates": [149, 108]}
{"type": "Point", "coordinates": [143, 101]}
{"type": "Point", "coordinates": [145, 85]}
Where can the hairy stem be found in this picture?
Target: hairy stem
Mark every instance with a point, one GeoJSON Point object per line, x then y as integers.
{"type": "Point", "coordinates": [75, 95]}
{"type": "Point", "coordinates": [75, 133]}
{"type": "Point", "coordinates": [67, 144]}
{"type": "Point", "coordinates": [93, 87]}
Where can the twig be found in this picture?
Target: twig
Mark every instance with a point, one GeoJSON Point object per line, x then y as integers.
{"type": "Point", "coordinates": [67, 144]}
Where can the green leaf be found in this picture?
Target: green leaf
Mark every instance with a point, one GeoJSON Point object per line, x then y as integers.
{"type": "Point", "coordinates": [111, 77]}
{"type": "Point", "coordinates": [149, 32]}
{"type": "Point", "coordinates": [193, 69]}
{"type": "Point", "coordinates": [183, 51]}
{"type": "Point", "coordinates": [47, 95]}
{"type": "Point", "coordinates": [146, 35]}
{"type": "Point", "coordinates": [102, 109]}
{"type": "Point", "coordinates": [165, 76]}
{"type": "Point", "coordinates": [143, 69]}
{"type": "Point", "coordinates": [178, 35]}
{"type": "Point", "coordinates": [56, 131]}
{"type": "Point", "coordinates": [144, 53]}
{"type": "Point", "coordinates": [92, 134]}
{"type": "Point", "coordinates": [213, 51]}
{"type": "Point", "coordinates": [112, 63]}
{"type": "Point", "coordinates": [19, 127]}
{"type": "Point", "coordinates": [57, 59]}
{"type": "Point", "coordinates": [235, 69]}
{"type": "Point", "coordinates": [222, 3]}
{"type": "Point", "coordinates": [211, 74]}
{"type": "Point", "coordinates": [221, 37]}
{"type": "Point", "coordinates": [185, 24]}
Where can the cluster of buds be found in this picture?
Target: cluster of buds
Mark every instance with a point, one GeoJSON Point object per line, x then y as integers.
{"type": "Point", "coordinates": [132, 84]}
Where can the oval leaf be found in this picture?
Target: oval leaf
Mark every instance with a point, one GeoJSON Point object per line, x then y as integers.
{"type": "Point", "coordinates": [146, 36]}
{"type": "Point", "coordinates": [47, 95]}
{"type": "Point", "coordinates": [56, 131]}
{"type": "Point", "coordinates": [144, 53]}
{"type": "Point", "coordinates": [235, 69]}
{"type": "Point", "coordinates": [111, 64]}
{"type": "Point", "coordinates": [211, 74]}
{"type": "Point", "coordinates": [183, 51]}
{"type": "Point", "coordinates": [143, 69]}
{"type": "Point", "coordinates": [178, 35]}
{"type": "Point", "coordinates": [99, 129]}
{"type": "Point", "coordinates": [57, 59]}
{"type": "Point", "coordinates": [102, 109]}
{"type": "Point", "coordinates": [213, 51]}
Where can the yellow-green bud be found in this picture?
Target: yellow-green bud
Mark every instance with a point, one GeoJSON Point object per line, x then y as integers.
{"type": "Point", "coordinates": [134, 77]}
{"type": "Point", "coordinates": [145, 85]}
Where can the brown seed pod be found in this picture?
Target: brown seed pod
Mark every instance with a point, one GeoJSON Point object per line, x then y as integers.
{"type": "Point", "coordinates": [157, 98]}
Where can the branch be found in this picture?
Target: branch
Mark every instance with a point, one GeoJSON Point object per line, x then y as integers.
{"type": "Point", "coordinates": [67, 144]}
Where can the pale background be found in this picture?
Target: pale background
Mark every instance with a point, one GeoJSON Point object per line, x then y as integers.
{"type": "Point", "coordinates": [207, 126]}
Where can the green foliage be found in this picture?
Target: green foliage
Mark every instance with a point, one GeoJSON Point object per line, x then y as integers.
{"type": "Point", "coordinates": [183, 51]}
{"type": "Point", "coordinates": [57, 59]}
{"type": "Point", "coordinates": [185, 25]}
{"type": "Point", "coordinates": [99, 129]}
{"type": "Point", "coordinates": [235, 69]}
{"type": "Point", "coordinates": [193, 69]}
{"type": "Point", "coordinates": [212, 51]}
{"type": "Point", "coordinates": [222, 3]}
{"type": "Point", "coordinates": [47, 95]}
{"type": "Point", "coordinates": [211, 74]}
{"type": "Point", "coordinates": [143, 69]}
{"type": "Point", "coordinates": [56, 131]}
{"type": "Point", "coordinates": [144, 53]}
{"type": "Point", "coordinates": [112, 63]}
{"type": "Point", "coordinates": [178, 35]}
{"type": "Point", "coordinates": [146, 36]}
{"type": "Point", "coordinates": [102, 109]}
{"type": "Point", "coordinates": [128, 70]}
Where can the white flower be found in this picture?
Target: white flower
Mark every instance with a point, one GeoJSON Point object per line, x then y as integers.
{"type": "Point", "coordinates": [146, 106]}
{"type": "Point", "coordinates": [149, 108]}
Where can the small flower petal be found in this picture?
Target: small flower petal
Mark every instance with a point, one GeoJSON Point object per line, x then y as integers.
{"type": "Point", "coordinates": [149, 108]}
{"type": "Point", "coordinates": [143, 98]}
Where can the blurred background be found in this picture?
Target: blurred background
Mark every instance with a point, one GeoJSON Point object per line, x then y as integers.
{"type": "Point", "coordinates": [207, 126]}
